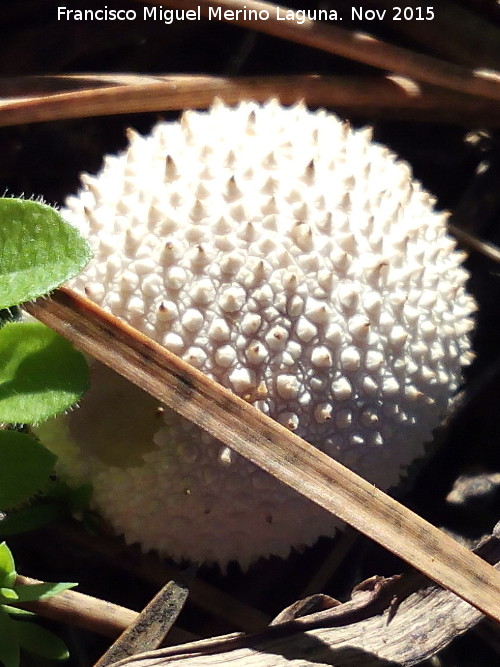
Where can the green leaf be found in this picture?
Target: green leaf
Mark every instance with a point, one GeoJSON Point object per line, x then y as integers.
{"type": "Point", "coordinates": [9, 642]}
{"type": "Point", "coordinates": [41, 374]}
{"type": "Point", "coordinates": [38, 250]}
{"type": "Point", "coordinates": [7, 566]}
{"type": "Point", "coordinates": [30, 592]}
{"type": "Point", "coordinates": [8, 595]}
{"type": "Point", "coordinates": [15, 611]}
{"type": "Point", "coordinates": [31, 518]}
{"type": "Point", "coordinates": [40, 641]}
{"type": "Point", "coordinates": [25, 466]}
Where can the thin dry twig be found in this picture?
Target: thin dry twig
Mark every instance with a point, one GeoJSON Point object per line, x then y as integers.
{"type": "Point", "coordinates": [320, 578]}
{"type": "Point", "coordinates": [81, 611]}
{"type": "Point", "coordinates": [47, 98]}
{"type": "Point", "coordinates": [471, 242]}
{"type": "Point", "coordinates": [271, 446]}
{"type": "Point", "coordinates": [89, 613]}
{"type": "Point", "coordinates": [355, 45]}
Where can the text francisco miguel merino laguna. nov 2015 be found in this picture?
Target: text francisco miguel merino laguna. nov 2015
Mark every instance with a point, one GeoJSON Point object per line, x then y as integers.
{"type": "Point", "coordinates": [299, 16]}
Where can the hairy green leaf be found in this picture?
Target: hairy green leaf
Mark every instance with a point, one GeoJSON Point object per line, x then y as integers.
{"type": "Point", "coordinates": [25, 466]}
{"type": "Point", "coordinates": [38, 250]}
{"type": "Point", "coordinates": [30, 592]}
{"type": "Point", "coordinates": [40, 641]}
{"type": "Point", "coordinates": [41, 374]}
{"type": "Point", "coordinates": [7, 566]}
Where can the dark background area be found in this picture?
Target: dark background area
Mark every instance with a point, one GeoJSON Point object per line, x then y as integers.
{"type": "Point", "coordinates": [46, 159]}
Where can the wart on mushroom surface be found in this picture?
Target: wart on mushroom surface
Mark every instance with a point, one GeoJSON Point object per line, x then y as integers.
{"type": "Point", "coordinates": [297, 263]}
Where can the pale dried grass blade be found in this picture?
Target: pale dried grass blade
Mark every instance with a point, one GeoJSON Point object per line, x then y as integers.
{"type": "Point", "coordinates": [489, 250]}
{"type": "Point", "coordinates": [48, 98]}
{"type": "Point", "coordinates": [355, 45]}
{"type": "Point", "coordinates": [271, 446]}
{"type": "Point", "coordinates": [81, 611]}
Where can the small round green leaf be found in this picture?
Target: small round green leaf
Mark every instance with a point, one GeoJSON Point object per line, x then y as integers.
{"type": "Point", "coordinates": [41, 374]}
{"type": "Point", "coordinates": [7, 566]}
{"type": "Point", "coordinates": [8, 594]}
{"type": "Point", "coordinates": [25, 466]}
{"type": "Point", "coordinates": [38, 250]}
{"type": "Point", "coordinates": [37, 640]}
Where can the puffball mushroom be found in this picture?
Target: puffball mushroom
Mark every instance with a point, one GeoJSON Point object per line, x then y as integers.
{"type": "Point", "coordinates": [296, 262]}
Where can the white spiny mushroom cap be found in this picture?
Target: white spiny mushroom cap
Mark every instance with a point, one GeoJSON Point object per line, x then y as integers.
{"type": "Point", "coordinates": [294, 261]}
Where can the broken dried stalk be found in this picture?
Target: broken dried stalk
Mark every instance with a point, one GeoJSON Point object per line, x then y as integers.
{"type": "Point", "coordinates": [271, 446]}
{"type": "Point", "coordinates": [151, 626]}
{"type": "Point", "coordinates": [397, 621]}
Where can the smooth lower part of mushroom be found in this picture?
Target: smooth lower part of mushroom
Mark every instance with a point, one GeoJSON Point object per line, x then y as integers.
{"type": "Point", "coordinates": [297, 263]}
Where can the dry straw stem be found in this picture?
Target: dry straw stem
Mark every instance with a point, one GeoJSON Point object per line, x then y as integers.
{"type": "Point", "coordinates": [82, 611]}
{"type": "Point", "coordinates": [471, 242]}
{"type": "Point", "coordinates": [48, 98]}
{"type": "Point", "coordinates": [271, 446]}
{"type": "Point", "coordinates": [355, 45]}
{"type": "Point", "coordinates": [89, 613]}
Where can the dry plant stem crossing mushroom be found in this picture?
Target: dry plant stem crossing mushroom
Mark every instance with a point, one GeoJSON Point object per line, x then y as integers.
{"type": "Point", "coordinates": [297, 263]}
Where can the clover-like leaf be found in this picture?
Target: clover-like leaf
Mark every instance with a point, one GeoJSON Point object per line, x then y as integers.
{"type": "Point", "coordinates": [25, 466]}
{"type": "Point", "coordinates": [40, 641]}
{"type": "Point", "coordinates": [38, 250]}
{"type": "Point", "coordinates": [41, 374]}
{"type": "Point", "coordinates": [7, 566]}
